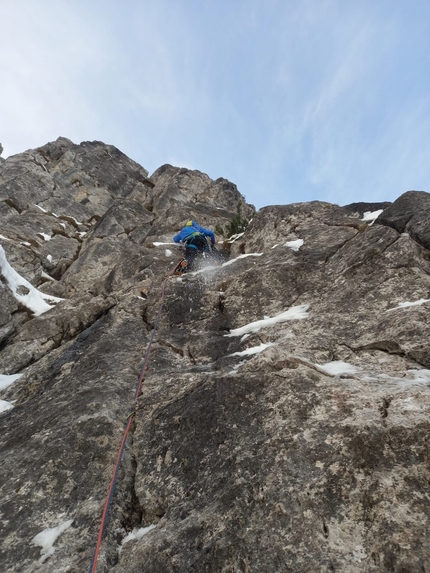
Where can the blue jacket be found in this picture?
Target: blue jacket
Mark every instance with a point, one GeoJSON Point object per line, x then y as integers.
{"type": "Point", "coordinates": [181, 237]}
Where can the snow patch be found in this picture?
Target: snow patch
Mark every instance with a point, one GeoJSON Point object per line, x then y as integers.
{"type": "Point", "coordinates": [168, 253]}
{"type": "Point", "coordinates": [25, 244]}
{"type": "Point", "coordinates": [241, 257]}
{"type": "Point", "coordinates": [4, 238]}
{"type": "Point", "coordinates": [253, 350]}
{"type": "Point", "coordinates": [7, 379]}
{"type": "Point", "coordinates": [294, 245]}
{"type": "Point", "coordinates": [41, 208]}
{"type": "Point", "coordinates": [338, 367]}
{"type": "Point", "coordinates": [49, 257]}
{"type": "Point", "coordinates": [44, 236]}
{"type": "Point", "coordinates": [136, 534]}
{"type": "Point", "coordinates": [294, 313]}
{"type": "Point", "coordinates": [46, 539]}
{"type": "Point", "coordinates": [4, 406]}
{"type": "Point", "coordinates": [234, 238]}
{"type": "Point", "coordinates": [156, 244]}
{"type": "Point", "coordinates": [73, 219]}
{"type": "Point", "coordinates": [34, 300]}
{"type": "Point", "coordinates": [236, 368]}
{"type": "Point", "coordinates": [46, 276]}
{"type": "Point", "coordinates": [371, 216]}
{"type": "Point", "coordinates": [407, 304]}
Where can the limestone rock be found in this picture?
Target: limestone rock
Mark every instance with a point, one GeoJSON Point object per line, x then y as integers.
{"type": "Point", "coordinates": [181, 194]}
{"type": "Point", "coordinates": [361, 208]}
{"type": "Point", "coordinates": [410, 214]}
{"type": "Point", "coordinates": [284, 417]}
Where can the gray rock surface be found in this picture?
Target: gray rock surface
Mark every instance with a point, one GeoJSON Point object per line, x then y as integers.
{"type": "Point", "coordinates": [361, 207]}
{"type": "Point", "coordinates": [410, 214]}
{"type": "Point", "coordinates": [296, 444]}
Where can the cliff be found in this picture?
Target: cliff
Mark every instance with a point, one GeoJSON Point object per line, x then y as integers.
{"type": "Point", "coordinates": [284, 417]}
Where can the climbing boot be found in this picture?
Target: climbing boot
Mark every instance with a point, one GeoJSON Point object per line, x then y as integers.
{"type": "Point", "coordinates": [182, 268]}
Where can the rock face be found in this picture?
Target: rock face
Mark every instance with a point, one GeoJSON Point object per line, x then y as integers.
{"type": "Point", "coordinates": [283, 423]}
{"type": "Point", "coordinates": [411, 214]}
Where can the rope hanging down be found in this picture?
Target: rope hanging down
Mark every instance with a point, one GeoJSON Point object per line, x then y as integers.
{"type": "Point", "coordinates": [130, 417]}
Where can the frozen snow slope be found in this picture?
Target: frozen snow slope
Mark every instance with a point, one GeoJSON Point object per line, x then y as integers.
{"type": "Point", "coordinates": [284, 419]}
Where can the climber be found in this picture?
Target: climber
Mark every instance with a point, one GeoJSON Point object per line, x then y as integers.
{"type": "Point", "coordinates": [194, 238]}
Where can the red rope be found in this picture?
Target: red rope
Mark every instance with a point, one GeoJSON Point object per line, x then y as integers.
{"type": "Point", "coordinates": [117, 466]}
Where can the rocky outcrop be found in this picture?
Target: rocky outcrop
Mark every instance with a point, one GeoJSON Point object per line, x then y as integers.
{"type": "Point", "coordinates": [284, 416]}
{"type": "Point", "coordinates": [410, 214]}
{"type": "Point", "coordinates": [361, 207]}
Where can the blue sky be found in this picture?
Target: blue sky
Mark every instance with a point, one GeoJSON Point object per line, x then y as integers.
{"type": "Point", "coordinates": [291, 100]}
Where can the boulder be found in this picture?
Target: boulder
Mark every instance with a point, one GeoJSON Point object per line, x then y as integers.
{"type": "Point", "coordinates": [410, 214]}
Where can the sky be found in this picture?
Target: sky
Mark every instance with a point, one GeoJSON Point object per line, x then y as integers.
{"type": "Point", "coordinates": [291, 100]}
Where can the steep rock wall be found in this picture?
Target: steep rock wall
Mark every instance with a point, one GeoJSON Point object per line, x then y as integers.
{"type": "Point", "coordinates": [284, 419]}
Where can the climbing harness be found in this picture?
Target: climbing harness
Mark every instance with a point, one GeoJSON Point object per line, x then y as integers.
{"type": "Point", "coordinates": [130, 417]}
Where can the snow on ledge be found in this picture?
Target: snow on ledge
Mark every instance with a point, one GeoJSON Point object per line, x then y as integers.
{"type": "Point", "coordinates": [7, 379]}
{"type": "Point", "coordinates": [46, 539]}
{"type": "Point", "coordinates": [226, 264]}
{"type": "Point", "coordinates": [294, 313]}
{"type": "Point", "coordinates": [234, 238]}
{"type": "Point", "coordinates": [294, 245]}
{"type": "Point", "coordinates": [337, 367]}
{"type": "Point", "coordinates": [136, 534]}
{"type": "Point", "coordinates": [407, 304]}
{"type": "Point", "coordinates": [4, 406]}
{"type": "Point", "coordinates": [34, 300]}
{"type": "Point", "coordinates": [241, 257]}
{"type": "Point", "coordinates": [44, 236]}
{"type": "Point", "coordinates": [371, 216]}
{"type": "Point", "coordinates": [157, 244]}
{"type": "Point", "coordinates": [253, 350]}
